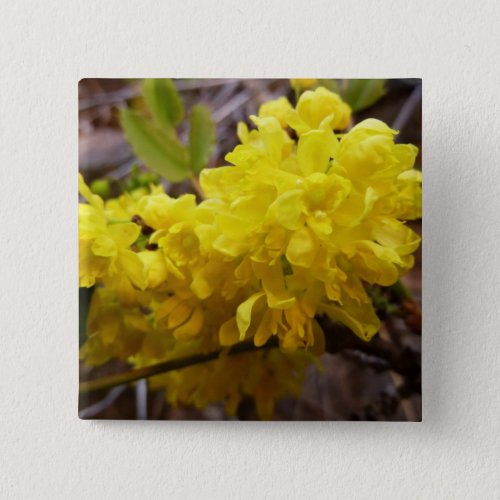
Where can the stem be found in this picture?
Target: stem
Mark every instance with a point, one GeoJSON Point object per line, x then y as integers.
{"type": "Point", "coordinates": [407, 110]}
{"type": "Point", "coordinates": [166, 366]}
{"type": "Point", "coordinates": [296, 90]}
{"type": "Point", "coordinates": [197, 187]}
{"type": "Point", "coordinates": [338, 338]}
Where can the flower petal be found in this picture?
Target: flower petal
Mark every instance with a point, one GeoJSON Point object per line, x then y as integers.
{"type": "Point", "coordinates": [124, 234]}
{"type": "Point", "coordinates": [314, 151]}
{"type": "Point", "coordinates": [192, 327]}
{"type": "Point", "coordinates": [179, 315]}
{"type": "Point", "coordinates": [287, 209]}
{"type": "Point", "coordinates": [302, 248]}
{"type": "Point", "coordinates": [104, 247]}
{"type": "Point", "coordinates": [228, 333]}
{"type": "Point", "coordinates": [273, 282]}
{"type": "Point", "coordinates": [134, 268]}
{"type": "Point", "coordinates": [244, 313]}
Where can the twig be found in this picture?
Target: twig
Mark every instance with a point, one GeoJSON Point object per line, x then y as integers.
{"type": "Point", "coordinates": [108, 98]}
{"type": "Point", "coordinates": [231, 106]}
{"type": "Point", "coordinates": [407, 110]}
{"type": "Point", "coordinates": [174, 364]}
{"type": "Point", "coordinates": [339, 338]}
{"type": "Point", "coordinates": [197, 187]}
{"type": "Point", "coordinates": [204, 83]}
{"type": "Point", "coordinates": [128, 93]}
{"type": "Point", "coordinates": [123, 169]}
{"type": "Point", "coordinates": [108, 400]}
{"type": "Point", "coordinates": [406, 363]}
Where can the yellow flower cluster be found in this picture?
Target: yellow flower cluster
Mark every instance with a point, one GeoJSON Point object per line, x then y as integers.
{"type": "Point", "coordinates": [297, 227]}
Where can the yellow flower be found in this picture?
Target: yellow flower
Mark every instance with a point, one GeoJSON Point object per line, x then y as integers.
{"type": "Point", "coordinates": [278, 108]}
{"type": "Point", "coordinates": [160, 211]}
{"type": "Point", "coordinates": [329, 208]}
{"type": "Point", "coordinates": [182, 315]}
{"type": "Point", "coordinates": [156, 268]}
{"type": "Point", "coordinates": [112, 331]}
{"type": "Point", "coordinates": [104, 247]}
{"type": "Point", "coordinates": [303, 83]}
{"type": "Point", "coordinates": [266, 377]}
{"type": "Point", "coordinates": [368, 156]}
{"type": "Point", "coordinates": [320, 108]}
{"type": "Point", "coordinates": [298, 226]}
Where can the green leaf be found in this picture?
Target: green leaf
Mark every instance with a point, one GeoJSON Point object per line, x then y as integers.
{"type": "Point", "coordinates": [201, 136]}
{"type": "Point", "coordinates": [361, 94]}
{"type": "Point", "coordinates": [163, 102]}
{"type": "Point", "coordinates": [159, 151]}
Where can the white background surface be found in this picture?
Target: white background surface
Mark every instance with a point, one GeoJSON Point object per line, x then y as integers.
{"type": "Point", "coordinates": [46, 47]}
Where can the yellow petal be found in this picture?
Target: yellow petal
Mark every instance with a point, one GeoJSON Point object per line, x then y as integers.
{"type": "Point", "coordinates": [277, 108]}
{"type": "Point", "coordinates": [394, 234]}
{"type": "Point", "coordinates": [228, 333]}
{"type": "Point", "coordinates": [133, 267]}
{"type": "Point", "coordinates": [179, 315]}
{"type": "Point", "coordinates": [263, 332]}
{"type": "Point", "coordinates": [124, 234]}
{"type": "Point", "coordinates": [93, 199]}
{"type": "Point", "coordinates": [104, 247]}
{"type": "Point", "coordinates": [303, 83]}
{"type": "Point", "coordinates": [206, 279]}
{"type": "Point", "coordinates": [318, 346]}
{"type": "Point", "coordinates": [91, 222]}
{"type": "Point", "coordinates": [219, 182]}
{"type": "Point", "coordinates": [360, 318]}
{"type": "Point", "coordinates": [302, 248]}
{"type": "Point", "coordinates": [172, 268]}
{"type": "Point", "coordinates": [154, 267]}
{"type": "Point", "coordinates": [273, 283]}
{"type": "Point", "coordinates": [167, 307]}
{"type": "Point", "coordinates": [242, 132]}
{"type": "Point", "coordinates": [244, 313]}
{"type": "Point", "coordinates": [276, 239]}
{"type": "Point", "coordinates": [372, 126]}
{"type": "Point", "coordinates": [233, 227]}
{"type": "Point", "coordinates": [295, 121]}
{"type": "Point", "coordinates": [287, 209]}
{"type": "Point", "coordinates": [229, 246]}
{"type": "Point", "coordinates": [109, 327]}
{"type": "Point", "coordinates": [314, 151]}
{"type": "Point", "coordinates": [191, 328]}
{"type": "Point", "coordinates": [272, 136]}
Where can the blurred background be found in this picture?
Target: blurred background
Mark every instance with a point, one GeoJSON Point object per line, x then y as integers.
{"type": "Point", "coordinates": [357, 383]}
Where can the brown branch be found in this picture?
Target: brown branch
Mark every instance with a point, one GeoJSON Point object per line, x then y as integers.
{"type": "Point", "coordinates": [166, 366]}
{"type": "Point", "coordinates": [339, 338]}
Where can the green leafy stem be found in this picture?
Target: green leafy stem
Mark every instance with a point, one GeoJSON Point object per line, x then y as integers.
{"type": "Point", "coordinates": [152, 133]}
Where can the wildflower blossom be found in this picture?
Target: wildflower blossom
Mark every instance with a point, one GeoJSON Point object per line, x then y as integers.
{"type": "Point", "coordinates": [278, 108]}
{"type": "Point", "coordinates": [303, 83]}
{"type": "Point", "coordinates": [104, 246]}
{"type": "Point", "coordinates": [319, 109]}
